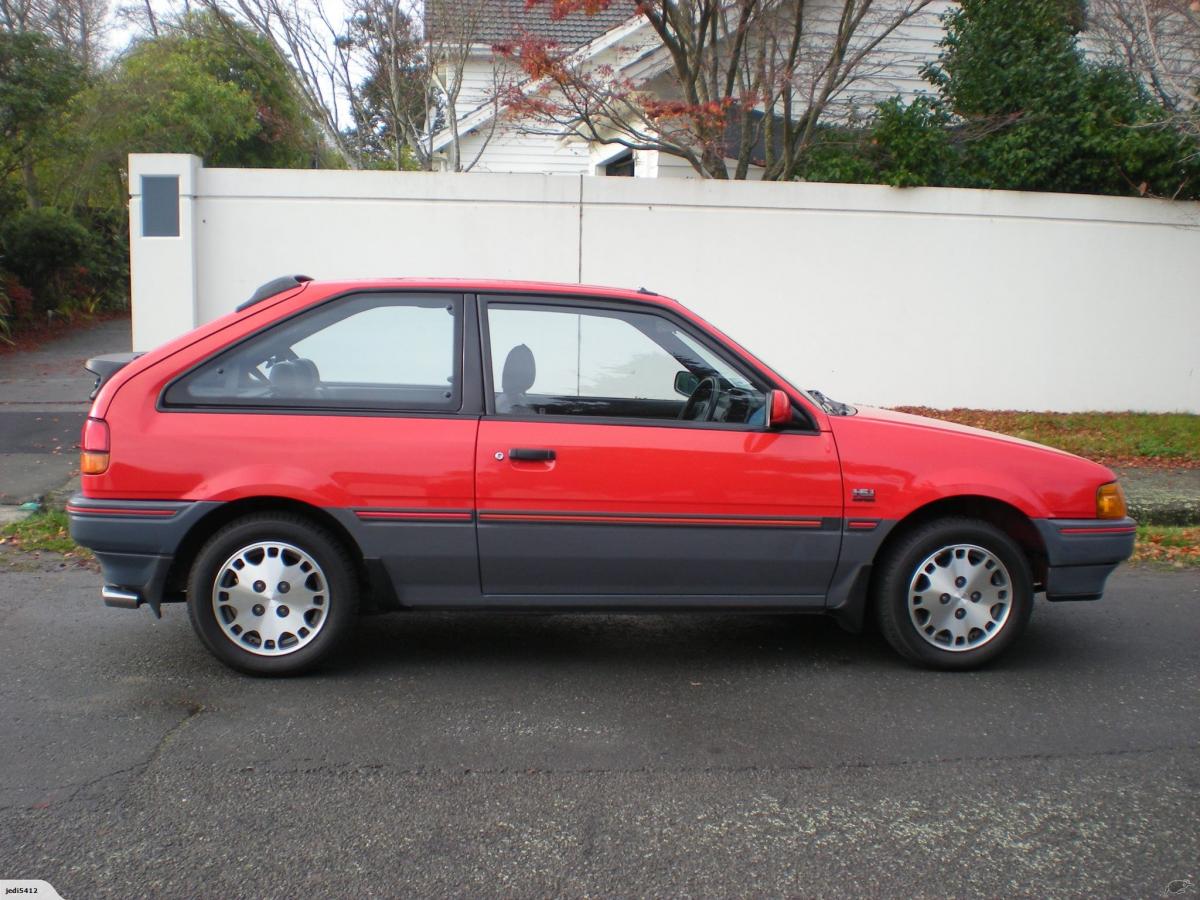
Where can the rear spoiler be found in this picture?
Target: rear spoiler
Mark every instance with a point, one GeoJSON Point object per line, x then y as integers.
{"type": "Point", "coordinates": [106, 366]}
{"type": "Point", "coordinates": [273, 287]}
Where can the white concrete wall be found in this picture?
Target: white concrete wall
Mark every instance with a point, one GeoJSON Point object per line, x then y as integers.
{"type": "Point", "coordinates": [872, 294]}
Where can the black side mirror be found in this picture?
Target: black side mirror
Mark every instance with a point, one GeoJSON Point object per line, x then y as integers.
{"type": "Point", "coordinates": [686, 383]}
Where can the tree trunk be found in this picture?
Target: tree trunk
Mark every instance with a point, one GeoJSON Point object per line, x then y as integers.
{"type": "Point", "coordinates": [30, 179]}
{"type": "Point", "coordinates": [714, 164]}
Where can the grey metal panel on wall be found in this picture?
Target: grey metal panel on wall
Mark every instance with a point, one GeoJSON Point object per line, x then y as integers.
{"type": "Point", "coordinates": [160, 206]}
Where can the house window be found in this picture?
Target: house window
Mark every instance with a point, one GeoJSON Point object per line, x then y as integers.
{"type": "Point", "coordinates": [621, 166]}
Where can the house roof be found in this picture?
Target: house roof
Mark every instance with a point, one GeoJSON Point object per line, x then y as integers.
{"type": "Point", "coordinates": [503, 20]}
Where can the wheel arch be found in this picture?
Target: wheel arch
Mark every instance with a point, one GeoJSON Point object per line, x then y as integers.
{"type": "Point", "coordinates": [220, 516]}
{"type": "Point", "coordinates": [1008, 518]}
{"type": "Point", "coordinates": [851, 596]}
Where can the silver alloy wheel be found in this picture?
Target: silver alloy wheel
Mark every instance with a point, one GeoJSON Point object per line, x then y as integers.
{"type": "Point", "coordinates": [270, 598]}
{"type": "Point", "coordinates": [959, 598]}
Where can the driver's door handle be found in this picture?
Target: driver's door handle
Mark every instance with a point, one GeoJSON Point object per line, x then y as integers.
{"type": "Point", "coordinates": [531, 454]}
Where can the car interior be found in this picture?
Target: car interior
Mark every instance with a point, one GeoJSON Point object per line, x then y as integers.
{"type": "Point", "coordinates": [705, 396]}
{"type": "Point", "coordinates": [269, 371]}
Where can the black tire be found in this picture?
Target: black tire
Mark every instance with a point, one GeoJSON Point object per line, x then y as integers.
{"type": "Point", "coordinates": [896, 572]}
{"type": "Point", "coordinates": [337, 593]}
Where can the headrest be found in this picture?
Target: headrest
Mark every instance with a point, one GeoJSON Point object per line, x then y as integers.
{"type": "Point", "coordinates": [295, 377]}
{"type": "Point", "coordinates": [519, 370]}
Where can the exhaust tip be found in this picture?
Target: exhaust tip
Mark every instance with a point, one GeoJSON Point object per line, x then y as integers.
{"type": "Point", "coordinates": [120, 598]}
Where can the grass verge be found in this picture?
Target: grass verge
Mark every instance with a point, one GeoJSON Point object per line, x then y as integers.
{"type": "Point", "coordinates": [1178, 546]}
{"type": "Point", "coordinates": [1163, 440]}
{"type": "Point", "coordinates": [42, 531]}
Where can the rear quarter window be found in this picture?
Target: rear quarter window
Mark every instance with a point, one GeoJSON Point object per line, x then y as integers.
{"type": "Point", "coordinates": [364, 351]}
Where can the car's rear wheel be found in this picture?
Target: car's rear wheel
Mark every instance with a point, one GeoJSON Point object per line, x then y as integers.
{"type": "Point", "coordinates": [272, 594]}
{"type": "Point", "coordinates": [953, 594]}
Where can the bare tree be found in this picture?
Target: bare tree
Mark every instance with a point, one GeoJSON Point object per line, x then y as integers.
{"type": "Point", "coordinates": [452, 41]}
{"type": "Point", "coordinates": [317, 50]}
{"type": "Point", "coordinates": [1159, 42]}
{"type": "Point", "coordinates": [750, 79]}
{"type": "Point", "coordinates": [399, 101]}
{"type": "Point", "coordinates": [381, 77]}
{"type": "Point", "coordinates": [77, 26]}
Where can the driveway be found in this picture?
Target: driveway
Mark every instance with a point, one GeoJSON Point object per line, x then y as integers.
{"type": "Point", "coordinates": [43, 402]}
{"type": "Point", "coordinates": [486, 755]}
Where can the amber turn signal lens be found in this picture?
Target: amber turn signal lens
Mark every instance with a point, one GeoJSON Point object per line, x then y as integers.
{"type": "Point", "coordinates": [92, 462]}
{"type": "Point", "coordinates": [1110, 501]}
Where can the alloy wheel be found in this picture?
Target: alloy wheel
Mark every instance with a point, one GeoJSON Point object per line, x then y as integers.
{"type": "Point", "coordinates": [270, 598]}
{"type": "Point", "coordinates": [959, 597]}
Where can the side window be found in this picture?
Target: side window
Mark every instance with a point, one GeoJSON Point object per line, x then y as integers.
{"type": "Point", "coordinates": [367, 351]}
{"type": "Point", "coordinates": [602, 362]}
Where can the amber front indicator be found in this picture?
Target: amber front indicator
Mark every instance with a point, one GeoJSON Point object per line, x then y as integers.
{"type": "Point", "coordinates": [93, 447]}
{"type": "Point", "coordinates": [1110, 501]}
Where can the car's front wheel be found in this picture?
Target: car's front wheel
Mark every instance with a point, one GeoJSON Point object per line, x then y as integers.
{"type": "Point", "coordinates": [272, 594]}
{"type": "Point", "coordinates": [953, 593]}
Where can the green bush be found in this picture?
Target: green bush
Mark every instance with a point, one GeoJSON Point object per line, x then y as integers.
{"type": "Point", "coordinates": [906, 146]}
{"type": "Point", "coordinates": [66, 266]}
{"type": "Point", "coordinates": [1017, 108]}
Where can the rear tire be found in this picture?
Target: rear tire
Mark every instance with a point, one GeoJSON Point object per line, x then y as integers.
{"type": "Point", "coordinates": [954, 593]}
{"type": "Point", "coordinates": [272, 594]}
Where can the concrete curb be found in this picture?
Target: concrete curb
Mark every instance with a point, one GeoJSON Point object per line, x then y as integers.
{"type": "Point", "coordinates": [11, 514]}
{"type": "Point", "coordinates": [1165, 510]}
{"type": "Point", "coordinates": [1160, 496]}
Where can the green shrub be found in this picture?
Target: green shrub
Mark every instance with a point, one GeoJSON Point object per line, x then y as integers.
{"type": "Point", "coordinates": [41, 247]}
{"type": "Point", "coordinates": [67, 267]}
{"type": "Point", "coordinates": [1017, 108]}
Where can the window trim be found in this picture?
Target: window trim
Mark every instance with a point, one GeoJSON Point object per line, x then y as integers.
{"type": "Point", "coordinates": [466, 337]}
{"type": "Point", "coordinates": [803, 421]}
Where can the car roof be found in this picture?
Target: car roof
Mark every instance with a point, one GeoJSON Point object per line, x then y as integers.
{"type": "Point", "coordinates": [499, 286]}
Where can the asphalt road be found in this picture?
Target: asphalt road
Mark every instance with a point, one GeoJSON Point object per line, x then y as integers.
{"type": "Point", "coordinates": [484, 755]}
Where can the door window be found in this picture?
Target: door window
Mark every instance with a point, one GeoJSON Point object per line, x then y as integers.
{"type": "Point", "coordinates": [601, 362]}
{"type": "Point", "coordinates": [393, 351]}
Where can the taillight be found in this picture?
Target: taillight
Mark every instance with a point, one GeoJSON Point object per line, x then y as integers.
{"type": "Point", "coordinates": [94, 447]}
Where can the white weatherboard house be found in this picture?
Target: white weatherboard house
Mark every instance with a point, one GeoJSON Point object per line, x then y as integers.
{"type": "Point", "coordinates": [493, 140]}
{"type": "Point", "coordinates": [627, 43]}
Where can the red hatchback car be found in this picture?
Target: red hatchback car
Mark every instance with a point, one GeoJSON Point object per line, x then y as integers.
{"type": "Point", "coordinates": [336, 448]}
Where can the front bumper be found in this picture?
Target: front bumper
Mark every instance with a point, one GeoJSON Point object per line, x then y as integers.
{"type": "Point", "coordinates": [135, 542]}
{"type": "Point", "coordinates": [1082, 553]}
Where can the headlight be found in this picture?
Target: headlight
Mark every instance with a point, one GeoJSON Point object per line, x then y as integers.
{"type": "Point", "coordinates": [1110, 501]}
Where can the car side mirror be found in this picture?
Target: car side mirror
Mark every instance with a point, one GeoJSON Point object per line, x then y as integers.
{"type": "Point", "coordinates": [779, 409]}
{"type": "Point", "coordinates": [686, 383]}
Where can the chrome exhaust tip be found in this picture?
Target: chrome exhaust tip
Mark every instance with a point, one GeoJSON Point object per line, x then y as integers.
{"type": "Point", "coordinates": [119, 597]}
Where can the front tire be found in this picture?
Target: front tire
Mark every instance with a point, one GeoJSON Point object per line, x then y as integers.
{"type": "Point", "coordinates": [954, 593]}
{"type": "Point", "coordinates": [272, 594]}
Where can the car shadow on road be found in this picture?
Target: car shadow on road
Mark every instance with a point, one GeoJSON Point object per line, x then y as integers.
{"type": "Point", "coordinates": [421, 640]}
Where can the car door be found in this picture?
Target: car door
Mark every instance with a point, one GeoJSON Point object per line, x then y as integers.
{"type": "Point", "coordinates": [590, 487]}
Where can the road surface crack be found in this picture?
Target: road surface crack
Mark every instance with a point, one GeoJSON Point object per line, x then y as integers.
{"type": "Point", "coordinates": [191, 711]}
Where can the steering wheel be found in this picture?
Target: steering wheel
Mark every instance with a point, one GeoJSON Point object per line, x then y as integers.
{"type": "Point", "coordinates": [701, 406]}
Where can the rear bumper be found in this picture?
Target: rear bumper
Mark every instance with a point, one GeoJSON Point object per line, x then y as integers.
{"type": "Point", "coordinates": [1082, 553]}
{"type": "Point", "coordinates": [135, 543]}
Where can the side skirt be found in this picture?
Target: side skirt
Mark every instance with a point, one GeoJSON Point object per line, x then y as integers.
{"type": "Point", "coordinates": [655, 603]}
